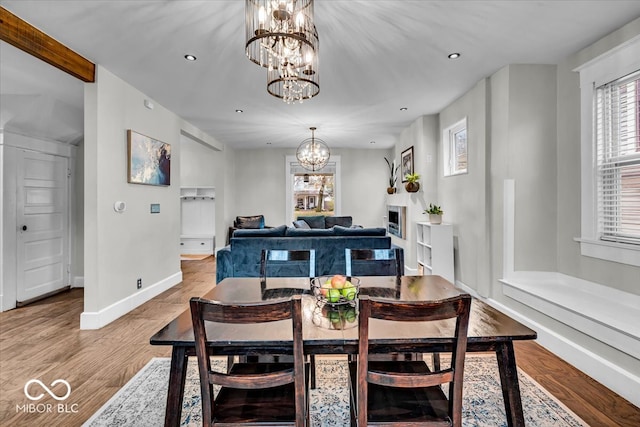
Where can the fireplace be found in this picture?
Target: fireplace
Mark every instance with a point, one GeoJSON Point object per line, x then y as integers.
{"type": "Point", "coordinates": [396, 222]}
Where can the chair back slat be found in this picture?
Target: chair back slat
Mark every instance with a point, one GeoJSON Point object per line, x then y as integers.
{"type": "Point", "coordinates": [294, 263]}
{"type": "Point", "coordinates": [221, 312]}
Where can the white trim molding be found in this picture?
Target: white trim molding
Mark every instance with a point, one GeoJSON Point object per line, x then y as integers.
{"type": "Point", "coordinates": [98, 319]}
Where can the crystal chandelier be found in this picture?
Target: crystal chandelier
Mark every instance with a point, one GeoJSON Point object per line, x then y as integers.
{"type": "Point", "coordinates": [281, 36]}
{"type": "Point", "coordinates": [313, 153]}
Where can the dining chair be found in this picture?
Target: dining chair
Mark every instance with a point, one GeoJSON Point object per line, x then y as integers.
{"type": "Point", "coordinates": [288, 263]}
{"type": "Point", "coordinates": [374, 262]}
{"type": "Point", "coordinates": [408, 392]}
{"type": "Point", "coordinates": [251, 393]}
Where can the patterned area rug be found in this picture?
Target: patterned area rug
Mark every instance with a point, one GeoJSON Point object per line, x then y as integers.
{"type": "Point", "coordinates": [141, 402]}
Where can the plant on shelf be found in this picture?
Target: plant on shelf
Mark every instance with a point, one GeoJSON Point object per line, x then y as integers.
{"type": "Point", "coordinates": [412, 184]}
{"type": "Point", "coordinates": [435, 213]}
{"type": "Point", "coordinates": [393, 177]}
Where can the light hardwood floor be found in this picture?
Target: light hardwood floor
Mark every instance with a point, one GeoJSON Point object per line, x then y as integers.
{"type": "Point", "coordinates": [43, 341]}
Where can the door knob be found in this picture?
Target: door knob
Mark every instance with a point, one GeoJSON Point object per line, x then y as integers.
{"type": "Point", "coordinates": [24, 228]}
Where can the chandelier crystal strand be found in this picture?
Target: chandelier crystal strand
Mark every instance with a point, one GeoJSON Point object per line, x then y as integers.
{"type": "Point", "coordinates": [313, 153]}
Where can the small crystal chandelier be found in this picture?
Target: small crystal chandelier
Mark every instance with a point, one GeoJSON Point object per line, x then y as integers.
{"type": "Point", "coordinates": [281, 36]}
{"type": "Point", "coordinates": [313, 153]}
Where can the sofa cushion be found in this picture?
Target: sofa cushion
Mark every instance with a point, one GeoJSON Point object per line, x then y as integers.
{"type": "Point", "coordinates": [313, 221]}
{"type": "Point", "coordinates": [309, 232]}
{"type": "Point", "coordinates": [344, 221]}
{"type": "Point", "coordinates": [301, 223]}
{"type": "Point", "coordinates": [255, 221]}
{"type": "Point", "coordinates": [375, 231]}
{"type": "Point", "coordinates": [261, 232]}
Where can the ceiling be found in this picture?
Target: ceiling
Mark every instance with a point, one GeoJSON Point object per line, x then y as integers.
{"type": "Point", "coordinates": [376, 57]}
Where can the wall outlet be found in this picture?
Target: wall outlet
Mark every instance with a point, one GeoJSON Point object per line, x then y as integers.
{"type": "Point", "coordinates": [139, 284]}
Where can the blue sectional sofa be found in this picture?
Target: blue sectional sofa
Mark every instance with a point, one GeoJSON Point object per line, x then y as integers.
{"type": "Point", "coordinates": [241, 258]}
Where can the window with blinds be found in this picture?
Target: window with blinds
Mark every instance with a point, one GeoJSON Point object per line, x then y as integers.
{"type": "Point", "coordinates": [617, 131]}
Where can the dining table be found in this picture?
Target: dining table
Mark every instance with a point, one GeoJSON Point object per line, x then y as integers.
{"type": "Point", "coordinates": [332, 330]}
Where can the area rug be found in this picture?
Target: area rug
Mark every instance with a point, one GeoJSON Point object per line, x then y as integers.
{"type": "Point", "coordinates": [141, 402]}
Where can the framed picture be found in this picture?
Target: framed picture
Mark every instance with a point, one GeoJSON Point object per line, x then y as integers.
{"type": "Point", "coordinates": [149, 160]}
{"type": "Point", "coordinates": [406, 163]}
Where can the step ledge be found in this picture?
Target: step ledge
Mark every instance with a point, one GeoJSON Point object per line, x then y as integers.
{"type": "Point", "coordinates": [604, 313]}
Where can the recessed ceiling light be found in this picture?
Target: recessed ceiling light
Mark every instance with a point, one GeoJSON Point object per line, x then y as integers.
{"type": "Point", "coordinates": [403, 109]}
{"type": "Point", "coordinates": [190, 57]}
{"type": "Point", "coordinates": [239, 111]}
{"type": "Point", "coordinates": [454, 55]}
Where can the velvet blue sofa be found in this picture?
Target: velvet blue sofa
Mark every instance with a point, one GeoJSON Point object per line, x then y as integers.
{"type": "Point", "coordinates": [241, 258]}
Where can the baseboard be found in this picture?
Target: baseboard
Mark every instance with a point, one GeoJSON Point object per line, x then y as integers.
{"type": "Point", "coordinates": [620, 381]}
{"type": "Point", "coordinates": [78, 282]}
{"type": "Point", "coordinates": [98, 319]}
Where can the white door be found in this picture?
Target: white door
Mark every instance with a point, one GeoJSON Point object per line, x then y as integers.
{"type": "Point", "coordinates": [42, 216]}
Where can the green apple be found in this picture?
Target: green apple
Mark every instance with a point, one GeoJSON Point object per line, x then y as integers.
{"type": "Point", "coordinates": [333, 295]}
{"type": "Point", "coordinates": [349, 292]}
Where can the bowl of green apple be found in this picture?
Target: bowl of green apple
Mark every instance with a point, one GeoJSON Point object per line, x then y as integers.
{"type": "Point", "coordinates": [336, 289]}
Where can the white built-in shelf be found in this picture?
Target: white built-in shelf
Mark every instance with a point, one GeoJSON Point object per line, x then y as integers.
{"type": "Point", "coordinates": [197, 234]}
{"type": "Point", "coordinates": [434, 249]}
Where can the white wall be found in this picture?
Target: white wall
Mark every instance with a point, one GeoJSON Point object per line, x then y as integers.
{"type": "Point", "coordinates": [258, 185]}
{"type": "Point", "coordinates": [119, 248]}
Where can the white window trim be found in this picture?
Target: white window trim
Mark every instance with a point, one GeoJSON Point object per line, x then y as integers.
{"type": "Point", "coordinates": [607, 67]}
{"type": "Point", "coordinates": [448, 141]}
{"type": "Point", "coordinates": [292, 160]}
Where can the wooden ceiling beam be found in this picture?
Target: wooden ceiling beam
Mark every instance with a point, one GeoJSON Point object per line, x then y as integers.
{"type": "Point", "coordinates": [28, 38]}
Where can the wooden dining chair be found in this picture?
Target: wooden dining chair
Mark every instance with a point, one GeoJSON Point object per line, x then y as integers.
{"type": "Point", "coordinates": [251, 393]}
{"type": "Point", "coordinates": [287, 263]}
{"type": "Point", "coordinates": [374, 262]}
{"type": "Point", "coordinates": [407, 392]}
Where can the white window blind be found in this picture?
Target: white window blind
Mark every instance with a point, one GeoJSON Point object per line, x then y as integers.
{"type": "Point", "coordinates": [617, 123]}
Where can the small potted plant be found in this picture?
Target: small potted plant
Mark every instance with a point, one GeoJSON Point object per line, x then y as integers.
{"type": "Point", "coordinates": [393, 177]}
{"type": "Point", "coordinates": [412, 184]}
{"type": "Point", "coordinates": [435, 214]}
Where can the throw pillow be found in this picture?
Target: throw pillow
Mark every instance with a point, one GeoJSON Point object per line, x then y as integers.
{"type": "Point", "coordinates": [344, 221]}
{"type": "Point", "coordinates": [301, 224]}
{"type": "Point", "coordinates": [313, 221]}
{"type": "Point", "coordinates": [255, 221]}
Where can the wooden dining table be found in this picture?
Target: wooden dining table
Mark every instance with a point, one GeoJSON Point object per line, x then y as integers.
{"type": "Point", "coordinates": [336, 333]}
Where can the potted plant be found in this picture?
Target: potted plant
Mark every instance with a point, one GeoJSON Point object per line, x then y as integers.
{"type": "Point", "coordinates": [435, 214]}
{"type": "Point", "coordinates": [393, 177]}
{"type": "Point", "coordinates": [412, 184]}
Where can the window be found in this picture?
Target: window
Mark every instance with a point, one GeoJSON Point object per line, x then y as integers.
{"type": "Point", "coordinates": [454, 141]}
{"type": "Point", "coordinates": [312, 193]}
{"type": "Point", "coordinates": [610, 155]}
{"type": "Point", "coordinates": [617, 122]}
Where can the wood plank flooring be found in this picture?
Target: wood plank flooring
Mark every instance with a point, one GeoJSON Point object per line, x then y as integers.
{"type": "Point", "coordinates": [43, 341]}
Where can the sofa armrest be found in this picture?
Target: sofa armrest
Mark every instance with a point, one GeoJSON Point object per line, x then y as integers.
{"type": "Point", "coordinates": [224, 264]}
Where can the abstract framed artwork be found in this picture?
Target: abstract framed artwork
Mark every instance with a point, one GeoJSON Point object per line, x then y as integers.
{"type": "Point", "coordinates": [148, 160]}
{"type": "Point", "coordinates": [407, 163]}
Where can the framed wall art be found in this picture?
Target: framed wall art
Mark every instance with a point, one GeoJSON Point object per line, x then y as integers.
{"type": "Point", "coordinates": [149, 160]}
{"type": "Point", "coordinates": [406, 161]}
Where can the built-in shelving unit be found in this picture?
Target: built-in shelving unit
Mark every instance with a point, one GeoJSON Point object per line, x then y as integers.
{"type": "Point", "coordinates": [434, 249]}
{"type": "Point", "coordinates": [197, 234]}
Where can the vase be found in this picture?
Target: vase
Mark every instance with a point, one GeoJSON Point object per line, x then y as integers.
{"type": "Point", "coordinates": [391, 190]}
{"type": "Point", "coordinates": [435, 218]}
{"type": "Point", "coordinates": [412, 187]}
